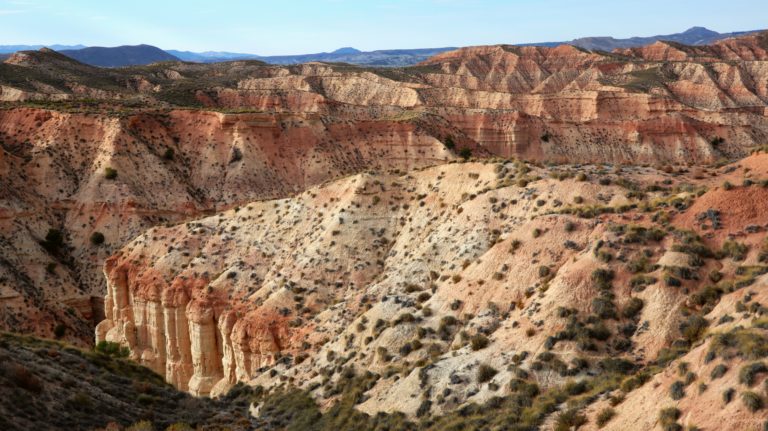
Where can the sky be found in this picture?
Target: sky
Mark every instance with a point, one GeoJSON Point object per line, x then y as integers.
{"type": "Point", "coordinates": [274, 27]}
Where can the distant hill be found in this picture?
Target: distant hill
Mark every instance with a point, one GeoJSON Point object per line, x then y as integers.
{"type": "Point", "coordinates": [692, 36]}
{"type": "Point", "coordinates": [120, 55]}
{"type": "Point", "coordinates": [211, 56]}
{"type": "Point", "coordinates": [390, 57]}
{"type": "Point", "coordinates": [393, 57]}
{"type": "Point", "coordinates": [9, 49]}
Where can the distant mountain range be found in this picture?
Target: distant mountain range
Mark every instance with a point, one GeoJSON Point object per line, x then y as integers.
{"type": "Point", "coordinates": [145, 54]}
{"type": "Point", "coordinates": [692, 36]}
{"type": "Point", "coordinates": [9, 49]}
{"type": "Point", "coordinates": [119, 56]}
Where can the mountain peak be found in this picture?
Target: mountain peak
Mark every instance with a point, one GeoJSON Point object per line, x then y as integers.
{"type": "Point", "coordinates": [347, 50]}
{"type": "Point", "coordinates": [697, 29]}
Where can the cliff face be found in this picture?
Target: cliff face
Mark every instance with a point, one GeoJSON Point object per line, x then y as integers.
{"type": "Point", "coordinates": [435, 273]}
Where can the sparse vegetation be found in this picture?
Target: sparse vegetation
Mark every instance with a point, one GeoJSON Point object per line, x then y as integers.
{"type": "Point", "coordinates": [110, 173]}
{"type": "Point", "coordinates": [97, 238]}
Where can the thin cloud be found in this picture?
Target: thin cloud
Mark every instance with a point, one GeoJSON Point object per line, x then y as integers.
{"type": "Point", "coordinates": [11, 11]}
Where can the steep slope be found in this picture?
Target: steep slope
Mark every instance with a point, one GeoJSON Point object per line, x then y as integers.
{"type": "Point", "coordinates": [454, 285]}
{"type": "Point", "coordinates": [119, 56]}
{"type": "Point", "coordinates": [168, 167]}
{"type": "Point", "coordinates": [52, 386]}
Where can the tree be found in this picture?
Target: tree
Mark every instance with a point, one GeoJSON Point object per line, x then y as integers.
{"type": "Point", "coordinates": [97, 238]}
{"type": "Point", "coordinates": [465, 153]}
{"type": "Point", "coordinates": [110, 173]}
{"type": "Point", "coordinates": [54, 240]}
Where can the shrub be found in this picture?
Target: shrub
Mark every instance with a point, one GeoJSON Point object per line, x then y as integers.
{"type": "Point", "coordinates": [569, 419]}
{"type": "Point", "coordinates": [672, 281]}
{"type": "Point", "coordinates": [752, 401]}
{"type": "Point", "coordinates": [745, 343]}
{"type": "Point", "coordinates": [465, 153]}
{"type": "Point", "coordinates": [485, 373]}
{"type": "Point", "coordinates": [634, 305]}
{"type": "Point", "coordinates": [110, 173]}
{"type": "Point", "coordinates": [605, 416]}
{"type": "Point", "coordinates": [676, 390]}
{"type": "Point", "coordinates": [718, 371]}
{"type": "Point", "coordinates": [735, 250]}
{"type": "Point", "coordinates": [640, 282]}
{"type": "Point", "coordinates": [237, 155]}
{"type": "Point", "coordinates": [693, 328]}
{"type": "Point", "coordinates": [97, 238]}
{"type": "Point", "coordinates": [54, 240]}
{"type": "Point", "coordinates": [478, 341]}
{"type": "Point", "coordinates": [168, 154]}
{"type": "Point", "coordinates": [668, 418]}
{"type": "Point", "coordinates": [602, 278]}
{"type": "Point", "coordinates": [449, 143]}
{"type": "Point", "coordinates": [748, 373]}
{"type": "Point", "coordinates": [604, 308]}
{"type": "Point", "coordinates": [728, 395]}
{"type": "Point", "coordinates": [544, 271]}
{"type": "Point", "coordinates": [112, 349]}
{"type": "Point", "coordinates": [536, 233]}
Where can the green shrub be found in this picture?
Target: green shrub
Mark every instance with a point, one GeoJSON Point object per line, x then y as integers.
{"type": "Point", "coordinates": [602, 278]}
{"type": "Point", "coordinates": [676, 390]}
{"type": "Point", "coordinates": [748, 372]}
{"type": "Point", "coordinates": [693, 328]}
{"type": "Point", "coordinates": [672, 281]}
{"type": "Point", "coordinates": [168, 154]}
{"type": "Point", "coordinates": [634, 305]}
{"type": "Point", "coordinates": [718, 371]}
{"type": "Point", "coordinates": [605, 416]}
{"type": "Point", "coordinates": [110, 173]}
{"type": "Point", "coordinates": [728, 395]}
{"type": "Point", "coordinates": [752, 401]}
{"type": "Point", "coordinates": [478, 342]}
{"type": "Point", "coordinates": [97, 238]}
{"type": "Point", "coordinates": [741, 342]}
{"type": "Point", "coordinates": [544, 271]}
{"type": "Point", "coordinates": [54, 241]}
{"type": "Point", "coordinates": [112, 349]}
{"type": "Point", "coordinates": [735, 250]}
{"type": "Point", "coordinates": [465, 153]}
{"type": "Point", "coordinates": [569, 419]}
{"type": "Point", "coordinates": [669, 415]}
{"type": "Point", "coordinates": [485, 373]}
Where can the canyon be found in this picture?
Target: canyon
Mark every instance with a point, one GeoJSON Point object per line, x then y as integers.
{"type": "Point", "coordinates": [494, 222]}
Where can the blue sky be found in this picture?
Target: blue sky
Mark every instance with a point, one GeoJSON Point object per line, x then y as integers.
{"type": "Point", "coordinates": [303, 26]}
